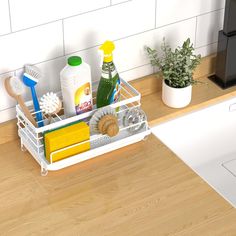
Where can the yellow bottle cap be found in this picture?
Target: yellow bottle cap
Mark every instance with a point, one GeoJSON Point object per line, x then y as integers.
{"type": "Point", "coordinates": [107, 49]}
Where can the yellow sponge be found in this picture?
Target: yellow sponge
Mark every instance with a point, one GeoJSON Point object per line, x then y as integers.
{"type": "Point", "coordinates": [64, 137]}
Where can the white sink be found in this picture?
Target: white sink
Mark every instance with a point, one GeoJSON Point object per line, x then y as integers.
{"type": "Point", "coordinates": [206, 141]}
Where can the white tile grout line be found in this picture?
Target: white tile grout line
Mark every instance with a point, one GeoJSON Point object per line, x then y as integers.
{"type": "Point", "coordinates": [115, 4]}
{"type": "Point", "coordinates": [195, 37]}
{"type": "Point", "coordinates": [211, 12]}
{"type": "Point", "coordinates": [209, 44]}
{"type": "Point", "coordinates": [9, 12]}
{"type": "Point", "coordinates": [136, 67]}
{"type": "Point", "coordinates": [155, 24]}
{"type": "Point", "coordinates": [63, 37]}
{"type": "Point", "coordinates": [5, 109]}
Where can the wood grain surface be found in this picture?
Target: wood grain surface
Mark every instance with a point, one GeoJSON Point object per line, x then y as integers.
{"type": "Point", "coordinates": [142, 189]}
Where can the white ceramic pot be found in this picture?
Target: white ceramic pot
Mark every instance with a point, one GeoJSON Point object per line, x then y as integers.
{"type": "Point", "coordinates": [176, 97]}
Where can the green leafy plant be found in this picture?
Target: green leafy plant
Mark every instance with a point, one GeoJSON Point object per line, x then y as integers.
{"type": "Point", "coordinates": [176, 66]}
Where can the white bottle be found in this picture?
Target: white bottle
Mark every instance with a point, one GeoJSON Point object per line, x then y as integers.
{"type": "Point", "coordinates": [76, 87]}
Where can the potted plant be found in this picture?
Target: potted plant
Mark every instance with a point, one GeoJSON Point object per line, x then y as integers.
{"type": "Point", "coordinates": [177, 70]}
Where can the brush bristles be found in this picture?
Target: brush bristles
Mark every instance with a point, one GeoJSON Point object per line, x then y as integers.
{"type": "Point", "coordinates": [17, 85]}
{"type": "Point", "coordinates": [98, 115]}
{"type": "Point", "coordinates": [49, 103]}
{"type": "Point", "coordinates": [33, 71]}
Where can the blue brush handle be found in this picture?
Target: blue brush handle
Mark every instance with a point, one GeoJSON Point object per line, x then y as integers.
{"type": "Point", "coordinates": [39, 116]}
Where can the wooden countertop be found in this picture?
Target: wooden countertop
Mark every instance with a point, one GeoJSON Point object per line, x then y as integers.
{"type": "Point", "coordinates": [142, 189]}
{"type": "Point", "coordinates": [204, 94]}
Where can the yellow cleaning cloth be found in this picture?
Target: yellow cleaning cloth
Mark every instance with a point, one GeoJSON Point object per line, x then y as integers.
{"type": "Point", "coordinates": [65, 137]}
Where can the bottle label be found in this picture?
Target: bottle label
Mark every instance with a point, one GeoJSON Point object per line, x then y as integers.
{"type": "Point", "coordinates": [83, 99]}
{"type": "Point", "coordinates": [115, 97]}
{"type": "Point", "coordinates": [105, 74]}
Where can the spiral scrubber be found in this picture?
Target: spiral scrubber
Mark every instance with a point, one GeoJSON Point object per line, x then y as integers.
{"type": "Point", "coordinates": [30, 79]}
{"type": "Point", "coordinates": [50, 104]}
{"type": "Point", "coordinates": [136, 118]}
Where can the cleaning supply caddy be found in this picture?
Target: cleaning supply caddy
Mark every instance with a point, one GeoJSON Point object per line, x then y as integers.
{"type": "Point", "coordinates": [67, 141]}
{"type": "Point", "coordinates": [76, 87]}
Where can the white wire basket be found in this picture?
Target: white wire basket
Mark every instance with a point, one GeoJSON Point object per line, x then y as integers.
{"type": "Point", "coordinates": [32, 138]}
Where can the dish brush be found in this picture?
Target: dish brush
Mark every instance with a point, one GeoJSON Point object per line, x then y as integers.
{"type": "Point", "coordinates": [30, 79]}
{"type": "Point", "coordinates": [104, 121]}
{"type": "Point", "coordinates": [15, 89]}
{"type": "Point", "coordinates": [50, 104]}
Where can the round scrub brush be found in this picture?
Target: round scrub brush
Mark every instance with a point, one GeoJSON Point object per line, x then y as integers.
{"type": "Point", "coordinates": [104, 121]}
{"type": "Point", "coordinates": [50, 104]}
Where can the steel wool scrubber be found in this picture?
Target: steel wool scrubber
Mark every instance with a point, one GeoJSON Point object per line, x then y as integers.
{"type": "Point", "coordinates": [134, 119]}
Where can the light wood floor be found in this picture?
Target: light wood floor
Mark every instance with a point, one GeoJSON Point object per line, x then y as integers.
{"type": "Point", "coordinates": [141, 190]}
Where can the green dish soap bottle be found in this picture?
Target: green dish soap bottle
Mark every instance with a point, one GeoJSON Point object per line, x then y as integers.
{"type": "Point", "coordinates": [109, 86]}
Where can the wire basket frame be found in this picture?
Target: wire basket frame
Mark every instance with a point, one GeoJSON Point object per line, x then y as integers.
{"type": "Point", "coordinates": [33, 141]}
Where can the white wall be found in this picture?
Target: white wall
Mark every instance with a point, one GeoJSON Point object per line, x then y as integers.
{"type": "Point", "coordinates": [46, 32]}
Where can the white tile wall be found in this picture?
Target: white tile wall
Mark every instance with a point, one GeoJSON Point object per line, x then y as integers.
{"type": "Point", "coordinates": [28, 13]}
{"type": "Point", "coordinates": [169, 11]}
{"type": "Point", "coordinates": [4, 17]}
{"type": "Point", "coordinates": [5, 100]}
{"type": "Point", "coordinates": [136, 72]}
{"type": "Point", "coordinates": [130, 51]}
{"type": "Point", "coordinates": [30, 46]}
{"type": "Point", "coordinates": [47, 32]}
{"type": "Point", "coordinates": [119, 23]}
{"type": "Point", "coordinates": [8, 114]}
{"type": "Point", "coordinates": [208, 26]}
{"type": "Point", "coordinates": [207, 50]}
